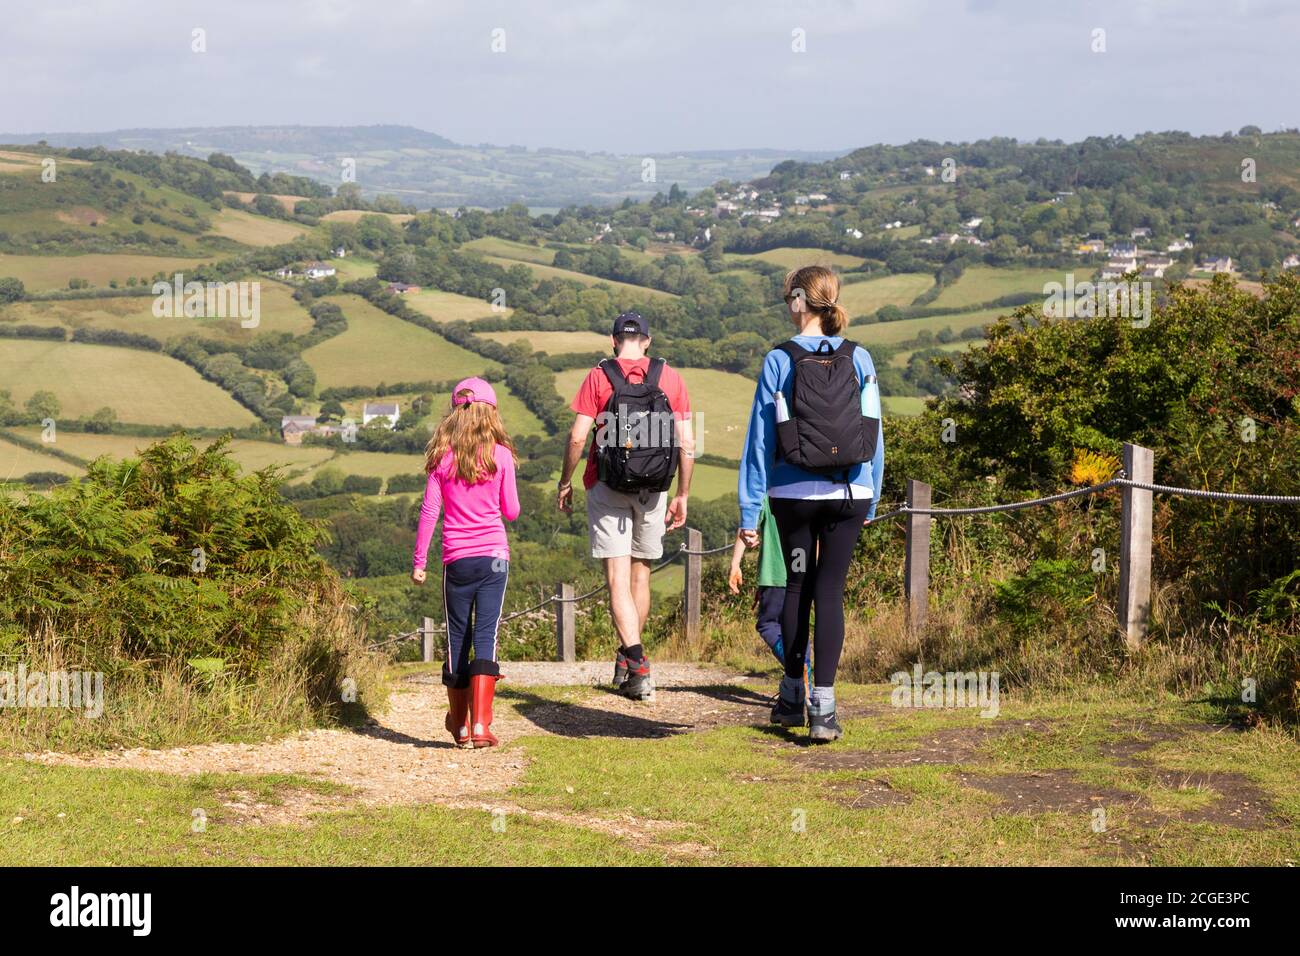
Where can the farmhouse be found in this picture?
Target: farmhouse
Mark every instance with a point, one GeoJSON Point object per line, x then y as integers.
{"type": "Point", "coordinates": [293, 427]}
{"type": "Point", "coordinates": [318, 270]}
{"type": "Point", "coordinates": [1217, 265]}
{"type": "Point", "coordinates": [387, 410]}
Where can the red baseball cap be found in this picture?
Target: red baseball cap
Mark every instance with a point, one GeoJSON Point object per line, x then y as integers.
{"type": "Point", "coordinates": [480, 391]}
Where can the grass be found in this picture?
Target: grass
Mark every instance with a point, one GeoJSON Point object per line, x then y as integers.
{"type": "Point", "coordinates": [904, 405]}
{"type": "Point", "coordinates": [142, 387]}
{"type": "Point", "coordinates": [550, 272]}
{"type": "Point", "coordinates": [44, 273]}
{"type": "Point", "coordinates": [720, 401]}
{"type": "Point", "coordinates": [794, 257]}
{"type": "Point", "coordinates": [378, 347]}
{"type": "Point", "coordinates": [372, 464]}
{"type": "Point", "coordinates": [555, 343]}
{"type": "Point", "coordinates": [733, 796]}
{"type": "Point", "coordinates": [451, 306]}
{"type": "Point", "coordinates": [904, 330]}
{"type": "Point", "coordinates": [863, 298]}
{"type": "Point", "coordinates": [350, 267]}
{"type": "Point", "coordinates": [353, 215]}
{"type": "Point", "coordinates": [253, 230]}
{"type": "Point", "coordinates": [985, 283]}
{"type": "Point", "coordinates": [509, 249]}
{"type": "Point", "coordinates": [279, 312]}
{"type": "Point", "coordinates": [16, 461]}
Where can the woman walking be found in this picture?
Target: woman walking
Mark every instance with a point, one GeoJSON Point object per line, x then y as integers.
{"type": "Point", "coordinates": [816, 450]}
{"type": "Point", "coordinates": [470, 462]}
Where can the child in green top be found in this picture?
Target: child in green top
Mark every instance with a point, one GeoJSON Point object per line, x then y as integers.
{"type": "Point", "coordinates": [771, 580]}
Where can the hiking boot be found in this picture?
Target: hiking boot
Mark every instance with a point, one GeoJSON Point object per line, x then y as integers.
{"type": "Point", "coordinates": [620, 668]}
{"type": "Point", "coordinates": [787, 713]}
{"type": "Point", "coordinates": [638, 685]}
{"type": "Point", "coordinates": [823, 728]}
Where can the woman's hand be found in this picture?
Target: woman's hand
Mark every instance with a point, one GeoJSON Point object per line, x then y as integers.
{"type": "Point", "coordinates": [750, 537]}
{"type": "Point", "coordinates": [417, 575]}
{"type": "Point", "coordinates": [735, 578]}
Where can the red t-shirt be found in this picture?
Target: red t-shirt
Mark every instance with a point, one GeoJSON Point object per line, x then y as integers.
{"type": "Point", "coordinates": [595, 391]}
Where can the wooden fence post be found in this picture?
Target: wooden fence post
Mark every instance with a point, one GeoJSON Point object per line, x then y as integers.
{"type": "Point", "coordinates": [1135, 547]}
{"type": "Point", "coordinates": [691, 587]}
{"type": "Point", "coordinates": [916, 563]}
{"type": "Point", "coordinates": [426, 639]}
{"type": "Point", "coordinates": [565, 647]}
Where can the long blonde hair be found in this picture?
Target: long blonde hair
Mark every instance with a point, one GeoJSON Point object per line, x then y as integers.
{"type": "Point", "coordinates": [819, 290]}
{"type": "Point", "coordinates": [470, 432]}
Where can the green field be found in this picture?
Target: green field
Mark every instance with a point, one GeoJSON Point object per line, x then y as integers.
{"type": "Point", "coordinates": [710, 482]}
{"type": "Point", "coordinates": [863, 298]}
{"type": "Point", "coordinates": [550, 272]}
{"type": "Point", "coordinates": [142, 387]}
{"type": "Point", "coordinates": [371, 464]}
{"type": "Point", "coordinates": [900, 359]}
{"type": "Point", "coordinates": [555, 343]}
{"type": "Point", "coordinates": [350, 268]}
{"type": "Point", "coordinates": [984, 284]}
{"type": "Point", "coordinates": [720, 402]}
{"type": "Point", "coordinates": [904, 330]}
{"type": "Point", "coordinates": [44, 273]}
{"type": "Point", "coordinates": [509, 249]}
{"type": "Point", "coordinates": [792, 257]}
{"type": "Point", "coordinates": [518, 418]}
{"type": "Point", "coordinates": [250, 230]}
{"type": "Point", "coordinates": [279, 312]}
{"type": "Point", "coordinates": [380, 348]}
{"type": "Point", "coordinates": [452, 307]}
{"type": "Point", "coordinates": [903, 405]}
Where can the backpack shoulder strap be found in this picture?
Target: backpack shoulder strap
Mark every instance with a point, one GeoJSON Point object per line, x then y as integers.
{"type": "Point", "coordinates": [614, 373]}
{"type": "Point", "coordinates": [793, 350]}
{"type": "Point", "coordinates": [655, 370]}
{"type": "Point", "coordinates": [846, 348]}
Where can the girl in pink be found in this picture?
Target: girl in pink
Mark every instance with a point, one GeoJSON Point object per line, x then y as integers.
{"type": "Point", "coordinates": [470, 461]}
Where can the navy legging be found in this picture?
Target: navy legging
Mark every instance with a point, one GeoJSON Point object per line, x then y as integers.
{"type": "Point", "coordinates": [473, 593]}
{"type": "Point", "coordinates": [817, 538]}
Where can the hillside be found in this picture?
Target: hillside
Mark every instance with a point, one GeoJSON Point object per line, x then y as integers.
{"type": "Point", "coordinates": [426, 169]}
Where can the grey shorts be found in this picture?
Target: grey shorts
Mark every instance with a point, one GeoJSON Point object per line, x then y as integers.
{"type": "Point", "coordinates": [620, 523]}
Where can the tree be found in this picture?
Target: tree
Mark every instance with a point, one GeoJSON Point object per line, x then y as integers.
{"type": "Point", "coordinates": [43, 405]}
{"type": "Point", "coordinates": [11, 290]}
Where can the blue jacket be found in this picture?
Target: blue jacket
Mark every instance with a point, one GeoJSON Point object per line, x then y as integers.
{"type": "Point", "coordinates": [759, 469]}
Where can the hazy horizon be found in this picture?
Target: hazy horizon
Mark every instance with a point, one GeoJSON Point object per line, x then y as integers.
{"type": "Point", "coordinates": [616, 77]}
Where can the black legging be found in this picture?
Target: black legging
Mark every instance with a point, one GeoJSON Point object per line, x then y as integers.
{"type": "Point", "coordinates": [818, 538]}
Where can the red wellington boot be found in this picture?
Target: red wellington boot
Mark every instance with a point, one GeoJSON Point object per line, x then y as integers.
{"type": "Point", "coordinates": [457, 722]}
{"type": "Point", "coordinates": [481, 689]}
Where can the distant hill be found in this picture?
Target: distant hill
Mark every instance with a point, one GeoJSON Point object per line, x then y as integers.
{"type": "Point", "coordinates": [425, 169]}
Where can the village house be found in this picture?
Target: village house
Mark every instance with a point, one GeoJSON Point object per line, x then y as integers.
{"type": "Point", "coordinates": [818, 197]}
{"type": "Point", "coordinates": [855, 233]}
{"type": "Point", "coordinates": [293, 427]}
{"type": "Point", "coordinates": [1115, 270]}
{"type": "Point", "coordinates": [1178, 245]}
{"type": "Point", "coordinates": [284, 272]}
{"type": "Point", "coordinates": [388, 410]}
{"type": "Point", "coordinates": [1219, 264]}
{"type": "Point", "coordinates": [1150, 271]}
{"type": "Point", "coordinates": [1141, 232]}
{"type": "Point", "coordinates": [1122, 250]}
{"type": "Point", "coordinates": [845, 174]}
{"type": "Point", "coordinates": [1092, 247]}
{"type": "Point", "coordinates": [318, 270]}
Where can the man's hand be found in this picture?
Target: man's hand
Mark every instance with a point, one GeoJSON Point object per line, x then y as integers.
{"type": "Point", "coordinates": [564, 497]}
{"type": "Point", "coordinates": [735, 578]}
{"type": "Point", "coordinates": [750, 537]}
{"type": "Point", "coordinates": [417, 575]}
{"type": "Point", "coordinates": [675, 516]}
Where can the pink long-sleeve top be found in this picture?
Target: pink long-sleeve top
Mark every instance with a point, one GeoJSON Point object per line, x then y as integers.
{"type": "Point", "coordinates": [471, 523]}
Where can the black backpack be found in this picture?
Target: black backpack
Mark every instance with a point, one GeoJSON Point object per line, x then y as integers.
{"type": "Point", "coordinates": [636, 444]}
{"type": "Point", "coordinates": [826, 432]}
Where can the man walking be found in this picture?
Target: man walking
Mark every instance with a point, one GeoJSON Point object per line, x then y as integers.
{"type": "Point", "coordinates": [643, 437]}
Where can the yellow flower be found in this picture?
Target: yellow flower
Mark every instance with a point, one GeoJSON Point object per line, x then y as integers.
{"type": "Point", "coordinates": [1092, 467]}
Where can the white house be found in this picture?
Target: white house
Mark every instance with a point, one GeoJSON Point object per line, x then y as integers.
{"type": "Point", "coordinates": [372, 410]}
{"type": "Point", "coordinates": [318, 270]}
{"type": "Point", "coordinates": [855, 233]}
{"type": "Point", "coordinates": [1178, 245]}
{"type": "Point", "coordinates": [845, 174]}
{"type": "Point", "coordinates": [1291, 262]}
{"type": "Point", "coordinates": [1217, 265]}
{"type": "Point", "coordinates": [1142, 232]}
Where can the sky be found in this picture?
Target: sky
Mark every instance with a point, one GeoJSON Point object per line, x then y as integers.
{"type": "Point", "coordinates": [638, 76]}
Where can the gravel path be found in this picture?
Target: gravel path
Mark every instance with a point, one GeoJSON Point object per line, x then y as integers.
{"type": "Point", "coordinates": [404, 756]}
